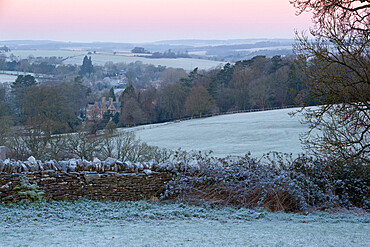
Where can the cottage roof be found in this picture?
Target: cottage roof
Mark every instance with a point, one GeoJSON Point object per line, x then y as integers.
{"type": "Point", "coordinates": [106, 105]}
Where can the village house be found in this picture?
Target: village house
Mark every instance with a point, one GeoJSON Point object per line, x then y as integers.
{"type": "Point", "coordinates": [95, 112]}
{"type": "Point", "coordinates": [4, 49]}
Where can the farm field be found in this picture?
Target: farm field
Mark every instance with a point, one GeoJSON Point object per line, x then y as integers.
{"type": "Point", "coordinates": [185, 63]}
{"type": "Point", "coordinates": [76, 57]}
{"type": "Point", "coordinates": [86, 223]}
{"type": "Point", "coordinates": [7, 78]}
{"type": "Point", "coordinates": [234, 134]}
{"type": "Point", "coordinates": [23, 54]}
{"type": "Point", "coordinates": [11, 76]}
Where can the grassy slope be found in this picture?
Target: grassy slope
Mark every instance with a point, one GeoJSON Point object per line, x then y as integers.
{"type": "Point", "coordinates": [235, 134]}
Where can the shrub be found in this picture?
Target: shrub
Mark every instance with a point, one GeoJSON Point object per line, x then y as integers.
{"type": "Point", "coordinates": [275, 182]}
{"type": "Point", "coordinates": [29, 191]}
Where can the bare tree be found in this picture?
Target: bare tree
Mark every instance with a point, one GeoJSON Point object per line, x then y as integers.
{"type": "Point", "coordinates": [240, 82]}
{"type": "Point", "coordinates": [336, 61]}
{"type": "Point", "coordinates": [128, 148]}
{"type": "Point", "coordinates": [84, 145]}
{"type": "Point", "coordinates": [199, 102]}
{"type": "Point", "coordinates": [171, 75]}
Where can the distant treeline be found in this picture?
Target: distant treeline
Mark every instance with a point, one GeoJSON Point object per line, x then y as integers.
{"type": "Point", "coordinates": [32, 65]}
{"type": "Point", "coordinates": [167, 54]}
{"type": "Point", "coordinates": [256, 83]}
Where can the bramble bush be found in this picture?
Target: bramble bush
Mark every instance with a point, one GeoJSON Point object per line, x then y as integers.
{"type": "Point", "coordinates": [276, 182]}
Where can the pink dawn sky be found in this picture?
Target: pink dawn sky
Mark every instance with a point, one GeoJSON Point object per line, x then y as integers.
{"type": "Point", "coordinates": [148, 20]}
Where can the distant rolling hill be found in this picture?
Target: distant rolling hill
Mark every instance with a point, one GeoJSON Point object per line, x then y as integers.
{"type": "Point", "coordinates": [219, 50]}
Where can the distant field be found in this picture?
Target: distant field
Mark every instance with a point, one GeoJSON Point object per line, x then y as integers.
{"type": "Point", "coordinates": [46, 53]}
{"type": "Point", "coordinates": [235, 134]}
{"type": "Point", "coordinates": [7, 78]}
{"type": "Point", "coordinates": [76, 57]}
{"type": "Point", "coordinates": [185, 63]}
{"type": "Point", "coordinates": [10, 76]}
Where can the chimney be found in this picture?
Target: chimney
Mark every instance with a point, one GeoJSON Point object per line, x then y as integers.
{"type": "Point", "coordinates": [103, 100]}
{"type": "Point", "coordinates": [110, 101]}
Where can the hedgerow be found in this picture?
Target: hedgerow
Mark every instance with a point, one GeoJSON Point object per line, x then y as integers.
{"type": "Point", "coordinates": [276, 182]}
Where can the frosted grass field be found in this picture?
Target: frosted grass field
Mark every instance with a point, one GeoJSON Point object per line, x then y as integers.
{"type": "Point", "coordinates": [11, 76]}
{"type": "Point", "coordinates": [76, 57]}
{"type": "Point", "coordinates": [87, 223]}
{"type": "Point", "coordinates": [23, 54]}
{"type": "Point", "coordinates": [7, 78]}
{"type": "Point", "coordinates": [185, 63]}
{"type": "Point", "coordinates": [285, 47]}
{"type": "Point", "coordinates": [234, 134]}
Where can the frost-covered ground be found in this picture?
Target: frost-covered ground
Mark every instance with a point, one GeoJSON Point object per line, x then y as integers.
{"type": "Point", "coordinates": [23, 54]}
{"type": "Point", "coordinates": [185, 63]}
{"type": "Point", "coordinates": [7, 78]}
{"type": "Point", "coordinates": [76, 57]}
{"type": "Point", "coordinates": [87, 223]}
{"type": "Point", "coordinates": [234, 134]}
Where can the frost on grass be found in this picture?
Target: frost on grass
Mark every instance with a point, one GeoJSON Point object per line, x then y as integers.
{"type": "Point", "coordinates": [89, 211]}
{"type": "Point", "coordinates": [85, 211]}
{"type": "Point", "coordinates": [84, 223]}
{"type": "Point", "coordinates": [234, 134]}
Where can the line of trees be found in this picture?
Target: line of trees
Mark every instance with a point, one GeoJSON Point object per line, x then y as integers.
{"type": "Point", "coordinates": [46, 66]}
{"type": "Point", "coordinates": [257, 83]}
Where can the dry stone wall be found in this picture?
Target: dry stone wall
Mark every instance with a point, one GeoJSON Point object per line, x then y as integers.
{"type": "Point", "coordinates": [109, 180]}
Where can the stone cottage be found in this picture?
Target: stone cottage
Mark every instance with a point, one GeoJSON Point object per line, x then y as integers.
{"type": "Point", "coordinates": [96, 111]}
